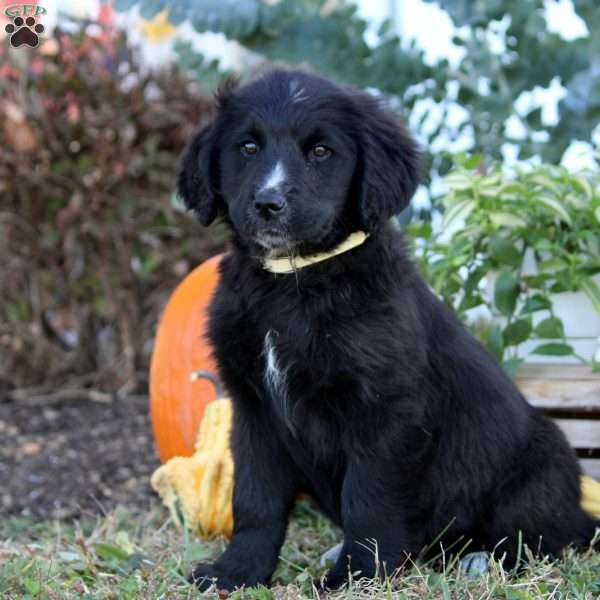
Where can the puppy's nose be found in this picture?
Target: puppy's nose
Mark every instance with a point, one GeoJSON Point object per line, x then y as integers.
{"type": "Point", "coordinates": [268, 203]}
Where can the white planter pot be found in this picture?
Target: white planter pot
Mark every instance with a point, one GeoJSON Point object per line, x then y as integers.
{"type": "Point", "coordinates": [580, 319]}
{"type": "Point", "coordinates": [582, 328]}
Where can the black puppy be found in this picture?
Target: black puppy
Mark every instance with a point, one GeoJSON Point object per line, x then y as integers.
{"type": "Point", "coordinates": [350, 380]}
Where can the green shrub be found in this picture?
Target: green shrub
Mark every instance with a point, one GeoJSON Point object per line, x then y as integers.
{"type": "Point", "coordinates": [509, 49]}
{"type": "Point", "coordinates": [545, 218]}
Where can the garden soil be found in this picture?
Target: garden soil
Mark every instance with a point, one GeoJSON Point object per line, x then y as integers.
{"type": "Point", "coordinates": [76, 458]}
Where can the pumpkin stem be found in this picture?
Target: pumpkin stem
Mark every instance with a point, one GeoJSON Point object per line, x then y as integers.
{"type": "Point", "coordinates": [201, 374]}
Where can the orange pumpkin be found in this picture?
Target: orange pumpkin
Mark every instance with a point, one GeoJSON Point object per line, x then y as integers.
{"type": "Point", "coordinates": [176, 402]}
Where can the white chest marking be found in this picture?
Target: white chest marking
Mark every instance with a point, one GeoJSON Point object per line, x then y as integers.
{"type": "Point", "coordinates": [275, 178]}
{"type": "Point", "coordinates": [275, 376]}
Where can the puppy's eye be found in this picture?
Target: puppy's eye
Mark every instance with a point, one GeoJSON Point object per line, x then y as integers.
{"type": "Point", "coordinates": [249, 148]}
{"type": "Point", "coordinates": [320, 152]}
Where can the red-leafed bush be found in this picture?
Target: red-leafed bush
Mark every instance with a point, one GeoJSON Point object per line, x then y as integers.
{"type": "Point", "coordinates": [91, 242]}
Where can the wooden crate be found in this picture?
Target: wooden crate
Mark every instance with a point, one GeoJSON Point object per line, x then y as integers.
{"type": "Point", "coordinates": [570, 394]}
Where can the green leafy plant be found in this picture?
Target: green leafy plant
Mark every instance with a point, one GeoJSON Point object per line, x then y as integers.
{"type": "Point", "coordinates": [509, 243]}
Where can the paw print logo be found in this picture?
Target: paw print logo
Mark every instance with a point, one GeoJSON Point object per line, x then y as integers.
{"type": "Point", "coordinates": [24, 31]}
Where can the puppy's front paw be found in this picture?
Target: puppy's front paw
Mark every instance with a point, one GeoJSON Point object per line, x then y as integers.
{"type": "Point", "coordinates": [205, 574]}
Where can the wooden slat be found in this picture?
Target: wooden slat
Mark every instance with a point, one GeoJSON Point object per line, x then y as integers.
{"type": "Point", "coordinates": [581, 433]}
{"type": "Point", "coordinates": [561, 387]}
{"type": "Point", "coordinates": [591, 467]}
{"type": "Point", "coordinates": [567, 388]}
{"type": "Point", "coordinates": [553, 371]}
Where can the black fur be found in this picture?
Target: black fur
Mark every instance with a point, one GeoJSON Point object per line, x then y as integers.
{"type": "Point", "coordinates": [391, 416]}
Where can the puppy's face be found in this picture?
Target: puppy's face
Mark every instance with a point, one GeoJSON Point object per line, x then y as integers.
{"type": "Point", "coordinates": [286, 164]}
{"type": "Point", "coordinates": [294, 162]}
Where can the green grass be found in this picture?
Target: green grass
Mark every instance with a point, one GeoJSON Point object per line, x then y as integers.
{"type": "Point", "coordinates": [126, 556]}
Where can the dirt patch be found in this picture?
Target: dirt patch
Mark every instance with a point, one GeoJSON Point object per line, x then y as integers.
{"type": "Point", "coordinates": [74, 458]}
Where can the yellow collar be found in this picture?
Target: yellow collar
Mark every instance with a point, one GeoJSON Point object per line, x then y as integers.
{"type": "Point", "coordinates": [285, 264]}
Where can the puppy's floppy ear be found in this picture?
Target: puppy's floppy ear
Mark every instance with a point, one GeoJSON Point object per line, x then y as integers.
{"type": "Point", "coordinates": [389, 161]}
{"type": "Point", "coordinates": [195, 179]}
